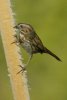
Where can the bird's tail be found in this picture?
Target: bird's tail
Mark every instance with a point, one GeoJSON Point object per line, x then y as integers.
{"type": "Point", "coordinates": [52, 54]}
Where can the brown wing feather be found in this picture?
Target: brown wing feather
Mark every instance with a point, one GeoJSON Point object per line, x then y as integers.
{"type": "Point", "coordinates": [36, 44]}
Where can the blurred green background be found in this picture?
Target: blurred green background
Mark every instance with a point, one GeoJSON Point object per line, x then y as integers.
{"type": "Point", "coordinates": [47, 77]}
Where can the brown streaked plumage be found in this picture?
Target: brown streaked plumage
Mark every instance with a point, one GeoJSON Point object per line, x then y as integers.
{"type": "Point", "coordinates": [30, 41]}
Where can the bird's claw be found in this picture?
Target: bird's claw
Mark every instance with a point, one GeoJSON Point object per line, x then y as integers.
{"type": "Point", "coordinates": [14, 42]}
{"type": "Point", "coordinates": [22, 69]}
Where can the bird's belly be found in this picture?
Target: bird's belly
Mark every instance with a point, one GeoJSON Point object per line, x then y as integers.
{"type": "Point", "coordinates": [27, 47]}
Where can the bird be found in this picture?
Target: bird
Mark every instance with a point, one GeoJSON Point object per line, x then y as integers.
{"type": "Point", "coordinates": [30, 41]}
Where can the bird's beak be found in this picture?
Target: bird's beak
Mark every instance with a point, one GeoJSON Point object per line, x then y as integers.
{"type": "Point", "coordinates": [16, 27]}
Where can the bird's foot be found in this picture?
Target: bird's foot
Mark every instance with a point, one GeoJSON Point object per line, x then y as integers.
{"type": "Point", "coordinates": [22, 69]}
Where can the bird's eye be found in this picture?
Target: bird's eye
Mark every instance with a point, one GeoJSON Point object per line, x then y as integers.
{"type": "Point", "coordinates": [21, 26]}
{"type": "Point", "coordinates": [26, 30]}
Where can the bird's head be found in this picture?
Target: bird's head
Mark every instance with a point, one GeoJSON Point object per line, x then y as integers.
{"type": "Point", "coordinates": [24, 28]}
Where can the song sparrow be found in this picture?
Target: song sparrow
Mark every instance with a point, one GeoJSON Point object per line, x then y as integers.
{"type": "Point", "coordinates": [30, 41]}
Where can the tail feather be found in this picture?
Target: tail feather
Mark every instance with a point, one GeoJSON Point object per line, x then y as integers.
{"type": "Point", "coordinates": [52, 54]}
